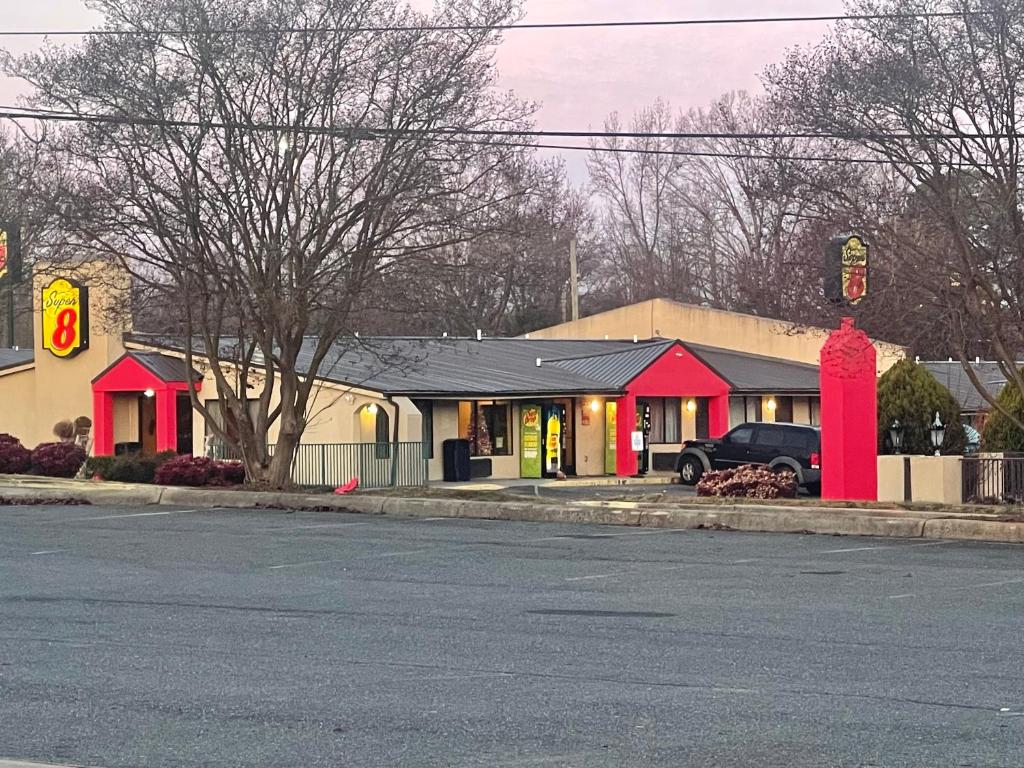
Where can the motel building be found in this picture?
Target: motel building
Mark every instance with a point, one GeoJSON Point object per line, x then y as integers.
{"type": "Point", "coordinates": [611, 394]}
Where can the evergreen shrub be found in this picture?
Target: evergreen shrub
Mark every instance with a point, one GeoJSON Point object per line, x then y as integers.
{"type": "Point", "coordinates": [1000, 433]}
{"type": "Point", "coordinates": [908, 393]}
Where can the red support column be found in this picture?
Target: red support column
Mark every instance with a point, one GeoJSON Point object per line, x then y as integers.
{"type": "Point", "coordinates": [102, 424]}
{"type": "Point", "coordinates": [849, 421]}
{"type": "Point", "coordinates": [625, 425]}
{"type": "Point", "coordinates": [166, 420]}
{"type": "Point", "coordinates": [718, 415]}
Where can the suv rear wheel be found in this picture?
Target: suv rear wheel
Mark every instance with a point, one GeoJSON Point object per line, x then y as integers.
{"type": "Point", "coordinates": [690, 470]}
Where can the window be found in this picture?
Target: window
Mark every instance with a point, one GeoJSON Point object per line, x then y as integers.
{"type": "Point", "coordinates": [741, 435]}
{"type": "Point", "coordinates": [784, 409]}
{"type": "Point", "coordinates": [382, 434]}
{"type": "Point", "coordinates": [771, 436]}
{"type": "Point", "coordinates": [426, 409]}
{"type": "Point", "coordinates": [744, 409]}
{"type": "Point", "coordinates": [702, 418]}
{"type": "Point", "coordinates": [666, 417]}
{"type": "Point", "coordinates": [222, 416]}
{"type": "Point", "coordinates": [487, 424]}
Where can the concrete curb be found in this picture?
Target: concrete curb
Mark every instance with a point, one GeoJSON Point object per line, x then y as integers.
{"type": "Point", "coordinates": [738, 517]}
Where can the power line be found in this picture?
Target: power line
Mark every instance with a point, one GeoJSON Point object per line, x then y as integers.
{"type": "Point", "coordinates": [498, 27]}
{"type": "Point", "coordinates": [452, 136]}
{"type": "Point", "coordinates": [371, 133]}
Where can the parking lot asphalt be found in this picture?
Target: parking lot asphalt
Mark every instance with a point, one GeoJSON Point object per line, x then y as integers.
{"type": "Point", "coordinates": [174, 637]}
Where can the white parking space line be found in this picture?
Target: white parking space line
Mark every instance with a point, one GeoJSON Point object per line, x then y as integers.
{"type": "Point", "coordinates": [348, 559]}
{"type": "Point", "coordinates": [143, 514]}
{"type": "Point", "coordinates": [48, 552]}
{"type": "Point", "coordinates": [633, 572]}
{"type": "Point", "coordinates": [886, 546]}
{"type": "Point", "coordinates": [286, 528]}
{"type": "Point", "coordinates": [570, 537]}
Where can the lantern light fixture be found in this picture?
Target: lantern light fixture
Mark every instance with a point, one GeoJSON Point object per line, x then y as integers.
{"type": "Point", "coordinates": [938, 433]}
{"type": "Point", "coordinates": [691, 406]}
{"type": "Point", "coordinates": [896, 436]}
{"type": "Point", "coordinates": [595, 406]}
{"type": "Point", "coordinates": [149, 393]}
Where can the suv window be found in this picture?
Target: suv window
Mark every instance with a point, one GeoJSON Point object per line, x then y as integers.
{"type": "Point", "coordinates": [772, 436]}
{"type": "Point", "coordinates": [800, 441]}
{"type": "Point", "coordinates": [741, 435]}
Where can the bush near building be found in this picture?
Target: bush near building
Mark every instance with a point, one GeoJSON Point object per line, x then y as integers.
{"type": "Point", "coordinates": [908, 393]}
{"type": "Point", "coordinates": [199, 471]}
{"type": "Point", "coordinates": [750, 482]}
{"type": "Point", "coordinates": [15, 458]}
{"type": "Point", "coordinates": [1000, 433]}
{"type": "Point", "coordinates": [57, 459]}
{"type": "Point", "coordinates": [127, 469]}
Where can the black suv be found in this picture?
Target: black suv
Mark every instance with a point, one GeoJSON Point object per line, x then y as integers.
{"type": "Point", "coordinates": [792, 448]}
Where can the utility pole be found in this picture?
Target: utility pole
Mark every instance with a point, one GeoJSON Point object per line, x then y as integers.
{"type": "Point", "coordinates": [574, 281]}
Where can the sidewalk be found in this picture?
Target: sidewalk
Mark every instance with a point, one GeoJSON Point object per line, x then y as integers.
{"type": "Point", "coordinates": [689, 513]}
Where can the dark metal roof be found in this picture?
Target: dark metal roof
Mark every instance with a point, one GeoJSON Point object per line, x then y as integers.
{"type": "Point", "coordinates": [755, 374]}
{"type": "Point", "coordinates": [164, 367]}
{"type": "Point", "coordinates": [618, 367]}
{"type": "Point", "coordinates": [15, 358]}
{"type": "Point", "coordinates": [952, 375]}
{"type": "Point", "coordinates": [505, 367]}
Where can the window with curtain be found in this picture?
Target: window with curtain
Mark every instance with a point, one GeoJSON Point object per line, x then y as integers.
{"type": "Point", "coordinates": [487, 425]}
{"type": "Point", "coordinates": [382, 434]}
{"type": "Point", "coordinates": [666, 420]}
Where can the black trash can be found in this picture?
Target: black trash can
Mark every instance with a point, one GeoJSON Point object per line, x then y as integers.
{"type": "Point", "coordinates": [456, 460]}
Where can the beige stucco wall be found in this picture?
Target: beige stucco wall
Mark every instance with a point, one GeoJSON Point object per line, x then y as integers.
{"type": "Point", "coordinates": [712, 327]}
{"type": "Point", "coordinates": [61, 388]}
{"type": "Point", "coordinates": [936, 479]}
{"type": "Point", "coordinates": [17, 414]}
{"type": "Point", "coordinates": [890, 478]}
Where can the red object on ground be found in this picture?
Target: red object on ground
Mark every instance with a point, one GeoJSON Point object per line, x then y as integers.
{"type": "Point", "coordinates": [348, 487]}
{"type": "Point", "coordinates": [849, 416]}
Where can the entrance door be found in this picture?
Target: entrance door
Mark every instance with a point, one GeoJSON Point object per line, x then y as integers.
{"type": "Point", "coordinates": [184, 442]}
{"type": "Point", "coordinates": [568, 435]}
{"type": "Point", "coordinates": [147, 425]}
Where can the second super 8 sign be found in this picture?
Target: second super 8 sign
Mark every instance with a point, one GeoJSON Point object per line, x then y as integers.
{"type": "Point", "coordinates": [65, 317]}
{"type": "Point", "coordinates": [846, 269]}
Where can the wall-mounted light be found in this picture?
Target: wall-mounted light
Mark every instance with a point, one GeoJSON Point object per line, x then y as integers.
{"type": "Point", "coordinates": [771, 404]}
{"type": "Point", "coordinates": [595, 406]}
{"type": "Point", "coordinates": [372, 409]}
{"type": "Point", "coordinates": [149, 393]}
{"type": "Point", "coordinates": [691, 406]}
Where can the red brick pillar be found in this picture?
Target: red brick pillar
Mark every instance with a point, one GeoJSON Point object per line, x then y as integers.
{"type": "Point", "coordinates": [625, 426]}
{"type": "Point", "coordinates": [102, 424]}
{"type": "Point", "coordinates": [849, 421]}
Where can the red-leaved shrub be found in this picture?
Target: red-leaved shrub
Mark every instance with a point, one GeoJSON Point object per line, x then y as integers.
{"type": "Point", "coordinates": [57, 459]}
{"type": "Point", "coordinates": [750, 482]}
{"type": "Point", "coordinates": [198, 471]}
{"type": "Point", "coordinates": [14, 457]}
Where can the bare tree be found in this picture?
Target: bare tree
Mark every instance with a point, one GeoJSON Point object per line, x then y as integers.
{"type": "Point", "coordinates": [255, 163]}
{"type": "Point", "coordinates": [937, 100]}
{"type": "Point", "coordinates": [708, 220]}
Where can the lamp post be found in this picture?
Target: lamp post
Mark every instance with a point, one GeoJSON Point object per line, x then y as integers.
{"type": "Point", "coordinates": [896, 436]}
{"type": "Point", "coordinates": [938, 433]}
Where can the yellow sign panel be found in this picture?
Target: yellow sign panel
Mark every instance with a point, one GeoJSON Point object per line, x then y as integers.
{"type": "Point", "coordinates": [4, 258]}
{"type": "Point", "coordinates": [855, 270]}
{"type": "Point", "coordinates": [553, 446]}
{"type": "Point", "coordinates": [65, 307]}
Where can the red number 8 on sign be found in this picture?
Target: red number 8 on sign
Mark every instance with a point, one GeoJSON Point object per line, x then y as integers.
{"type": "Point", "coordinates": [64, 334]}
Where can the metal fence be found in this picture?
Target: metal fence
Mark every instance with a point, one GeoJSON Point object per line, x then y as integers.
{"type": "Point", "coordinates": [993, 480]}
{"type": "Point", "coordinates": [375, 465]}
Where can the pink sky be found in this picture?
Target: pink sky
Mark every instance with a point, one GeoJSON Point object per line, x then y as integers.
{"type": "Point", "coordinates": [580, 76]}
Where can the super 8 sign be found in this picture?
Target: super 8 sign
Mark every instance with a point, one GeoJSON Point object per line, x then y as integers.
{"type": "Point", "coordinates": [65, 306]}
{"type": "Point", "coordinates": [846, 269]}
{"type": "Point", "coordinates": [4, 259]}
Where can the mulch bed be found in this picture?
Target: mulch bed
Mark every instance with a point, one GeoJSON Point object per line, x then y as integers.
{"type": "Point", "coordinates": [17, 501]}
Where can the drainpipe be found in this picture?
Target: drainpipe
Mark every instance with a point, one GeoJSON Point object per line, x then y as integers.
{"type": "Point", "coordinates": [394, 442]}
